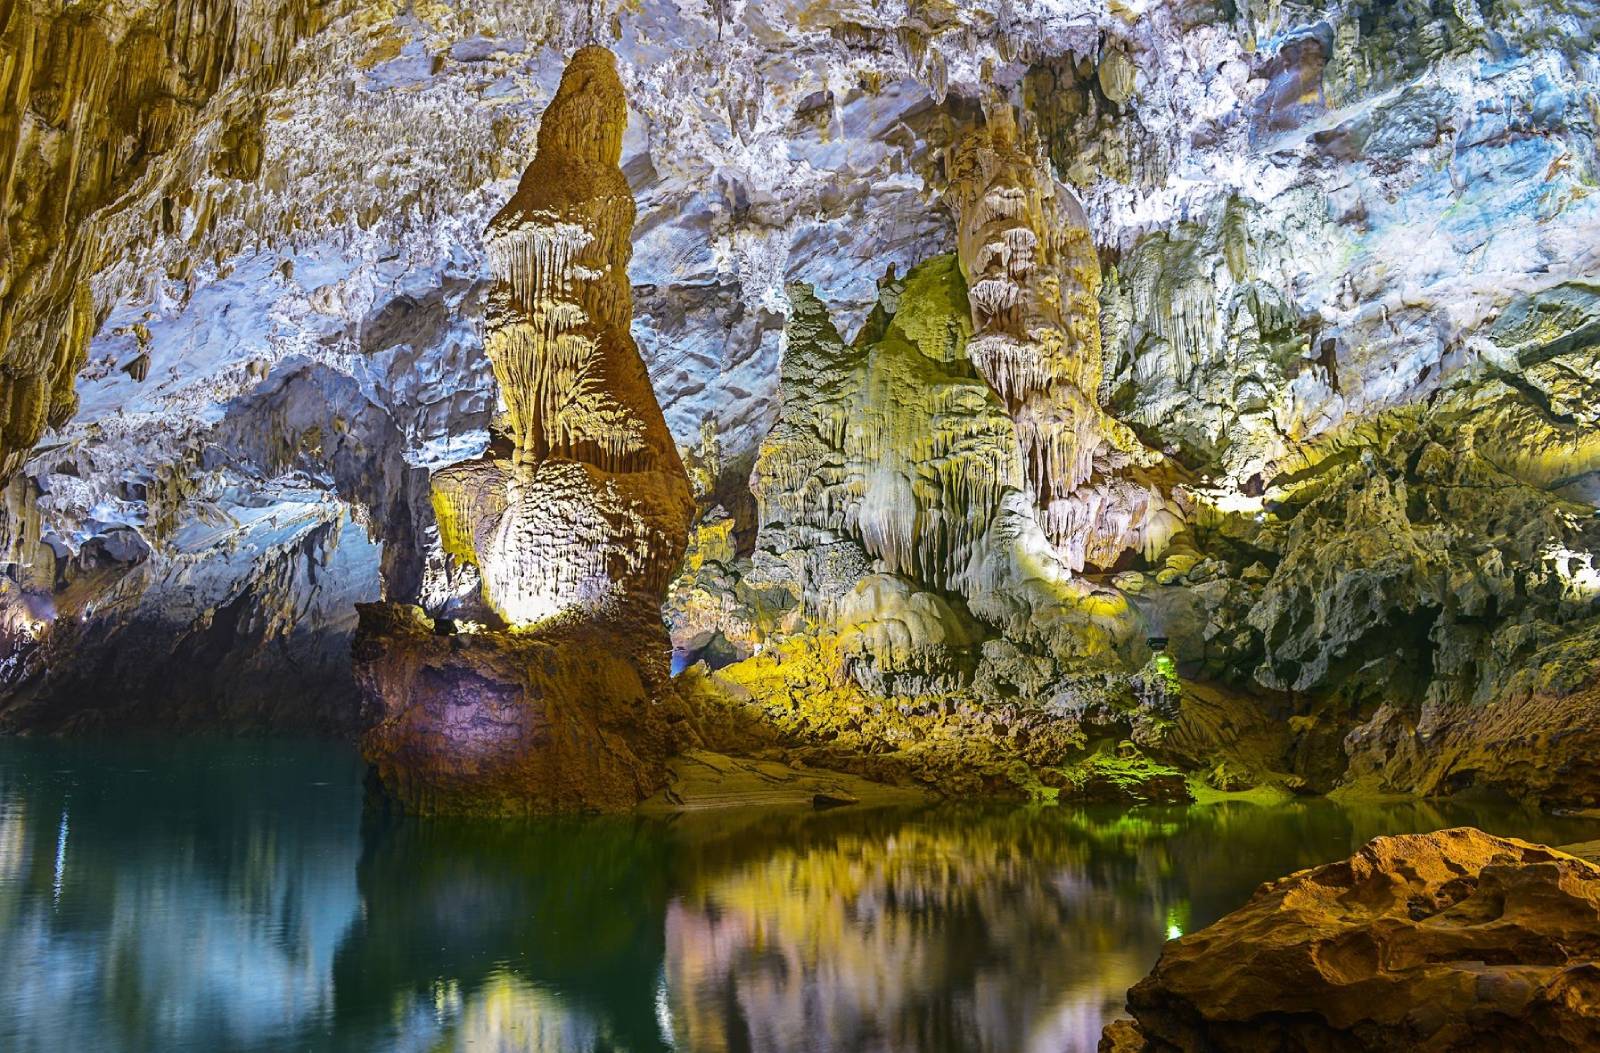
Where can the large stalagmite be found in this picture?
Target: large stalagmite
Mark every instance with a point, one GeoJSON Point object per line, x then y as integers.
{"type": "Point", "coordinates": [590, 513]}
{"type": "Point", "coordinates": [573, 535]}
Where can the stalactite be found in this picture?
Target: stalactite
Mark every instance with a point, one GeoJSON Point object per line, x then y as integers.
{"type": "Point", "coordinates": [88, 104]}
{"type": "Point", "coordinates": [1033, 281]}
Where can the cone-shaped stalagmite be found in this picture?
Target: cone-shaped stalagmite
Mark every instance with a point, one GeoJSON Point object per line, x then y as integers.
{"type": "Point", "coordinates": [574, 534]}
{"type": "Point", "coordinates": [594, 506]}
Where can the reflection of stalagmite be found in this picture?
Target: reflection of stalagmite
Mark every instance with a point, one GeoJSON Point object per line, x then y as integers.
{"type": "Point", "coordinates": [574, 534]}
{"type": "Point", "coordinates": [593, 507]}
{"type": "Point", "coordinates": [1033, 280]}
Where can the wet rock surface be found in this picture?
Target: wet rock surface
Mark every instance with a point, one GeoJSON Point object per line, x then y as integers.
{"type": "Point", "coordinates": [1455, 940]}
{"type": "Point", "coordinates": [567, 720]}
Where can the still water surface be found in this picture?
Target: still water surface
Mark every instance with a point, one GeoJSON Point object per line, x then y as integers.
{"type": "Point", "coordinates": [232, 897]}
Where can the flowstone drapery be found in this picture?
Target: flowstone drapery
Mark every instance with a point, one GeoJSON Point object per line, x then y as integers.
{"type": "Point", "coordinates": [1033, 279]}
{"type": "Point", "coordinates": [573, 533]}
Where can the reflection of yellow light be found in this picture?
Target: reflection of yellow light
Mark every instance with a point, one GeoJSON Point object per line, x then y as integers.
{"type": "Point", "coordinates": [1175, 918]}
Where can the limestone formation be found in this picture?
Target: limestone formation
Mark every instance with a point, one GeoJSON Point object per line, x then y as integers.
{"type": "Point", "coordinates": [1033, 277]}
{"type": "Point", "coordinates": [508, 724]}
{"type": "Point", "coordinates": [591, 510]}
{"type": "Point", "coordinates": [90, 101]}
{"type": "Point", "coordinates": [1449, 941]}
{"type": "Point", "coordinates": [890, 442]}
{"type": "Point", "coordinates": [902, 550]}
{"type": "Point", "coordinates": [1334, 263]}
{"type": "Point", "coordinates": [573, 534]}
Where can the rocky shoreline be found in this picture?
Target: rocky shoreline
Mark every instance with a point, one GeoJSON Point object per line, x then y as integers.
{"type": "Point", "coordinates": [1450, 941]}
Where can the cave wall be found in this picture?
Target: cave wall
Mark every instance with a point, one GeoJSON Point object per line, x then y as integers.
{"type": "Point", "coordinates": [1345, 332]}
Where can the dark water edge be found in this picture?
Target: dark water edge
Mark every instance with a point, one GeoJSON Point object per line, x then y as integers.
{"type": "Point", "coordinates": [233, 896]}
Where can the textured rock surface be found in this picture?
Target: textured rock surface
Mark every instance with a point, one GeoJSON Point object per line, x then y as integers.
{"type": "Point", "coordinates": [95, 102]}
{"type": "Point", "coordinates": [915, 624]}
{"type": "Point", "coordinates": [1449, 941]}
{"type": "Point", "coordinates": [572, 535]}
{"type": "Point", "coordinates": [1033, 279]}
{"type": "Point", "coordinates": [1346, 294]}
{"type": "Point", "coordinates": [566, 720]}
{"type": "Point", "coordinates": [589, 514]}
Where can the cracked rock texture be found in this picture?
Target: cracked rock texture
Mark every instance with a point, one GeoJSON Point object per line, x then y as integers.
{"type": "Point", "coordinates": [996, 337]}
{"type": "Point", "coordinates": [1448, 941]}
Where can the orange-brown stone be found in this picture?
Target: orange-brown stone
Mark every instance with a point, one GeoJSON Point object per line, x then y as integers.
{"type": "Point", "coordinates": [1450, 941]}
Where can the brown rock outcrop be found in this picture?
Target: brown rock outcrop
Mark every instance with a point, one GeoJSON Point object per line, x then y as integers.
{"type": "Point", "coordinates": [1538, 747]}
{"type": "Point", "coordinates": [508, 723]}
{"type": "Point", "coordinates": [573, 536]}
{"type": "Point", "coordinates": [1438, 942]}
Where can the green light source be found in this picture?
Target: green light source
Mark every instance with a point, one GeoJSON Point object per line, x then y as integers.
{"type": "Point", "coordinates": [1164, 663]}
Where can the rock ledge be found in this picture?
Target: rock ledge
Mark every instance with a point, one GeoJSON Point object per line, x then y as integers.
{"type": "Point", "coordinates": [1454, 940]}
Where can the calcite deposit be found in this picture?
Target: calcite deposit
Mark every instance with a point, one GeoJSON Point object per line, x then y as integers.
{"type": "Point", "coordinates": [1449, 941]}
{"type": "Point", "coordinates": [589, 514]}
{"type": "Point", "coordinates": [1033, 279]}
{"type": "Point", "coordinates": [998, 339]}
{"type": "Point", "coordinates": [95, 101]}
{"type": "Point", "coordinates": [572, 535]}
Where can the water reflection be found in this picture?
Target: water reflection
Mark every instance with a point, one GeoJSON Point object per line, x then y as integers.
{"type": "Point", "coordinates": [146, 904]}
{"type": "Point", "coordinates": [506, 936]}
{"type": "Point", "coordinates": [951, 929]}
{"type": "Point", "coordinates": [233, 898]}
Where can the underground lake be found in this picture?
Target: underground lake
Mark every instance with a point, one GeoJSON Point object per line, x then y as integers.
{"type": "Point", "coordinates": [233, 897]}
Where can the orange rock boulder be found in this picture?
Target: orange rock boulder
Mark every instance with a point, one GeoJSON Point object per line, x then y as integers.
{"type": "Point", "coordinates": [1451, 941]}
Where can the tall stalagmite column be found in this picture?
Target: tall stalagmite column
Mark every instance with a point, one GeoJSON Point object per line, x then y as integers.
{"type": "Point", "coordinates": [1033, 279]}
{"type": "Point", "coordinates": [574, 535]}
{"type": "Point", "coordinates": [591, 514]}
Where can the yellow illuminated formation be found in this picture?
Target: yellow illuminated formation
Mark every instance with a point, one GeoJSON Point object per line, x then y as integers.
{"type": "Point", "coordinates": [1034, 281]}
{"type": "Point", "coordinates": [593, 505]}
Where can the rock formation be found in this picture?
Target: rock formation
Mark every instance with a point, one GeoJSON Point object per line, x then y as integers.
{"type": "Point", "coordinates": [927, 502]}
{"type": "Point", "coordinates": [1449, 941]}
{"type": "Point", "coordinates": [1328, 267]}
{"type": "Point", "coordinates": [91, 102]}
{"type": "Point", "coordinates": [573, 534]}
{"type": "Point", "coordinates": [589, 514]}
{"type": "Point", "coordinates": [899, 557]}
{"type": "Point", "coordinates": [1033, 277]}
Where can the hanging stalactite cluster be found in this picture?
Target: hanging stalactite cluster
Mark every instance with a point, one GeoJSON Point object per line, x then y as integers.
{"type": "Point", "coordinates": [1034, 282]}
{"type": "Point", "coordinates": [88, 100]}
{"type": "Point", "coordinates": [893, 443]}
